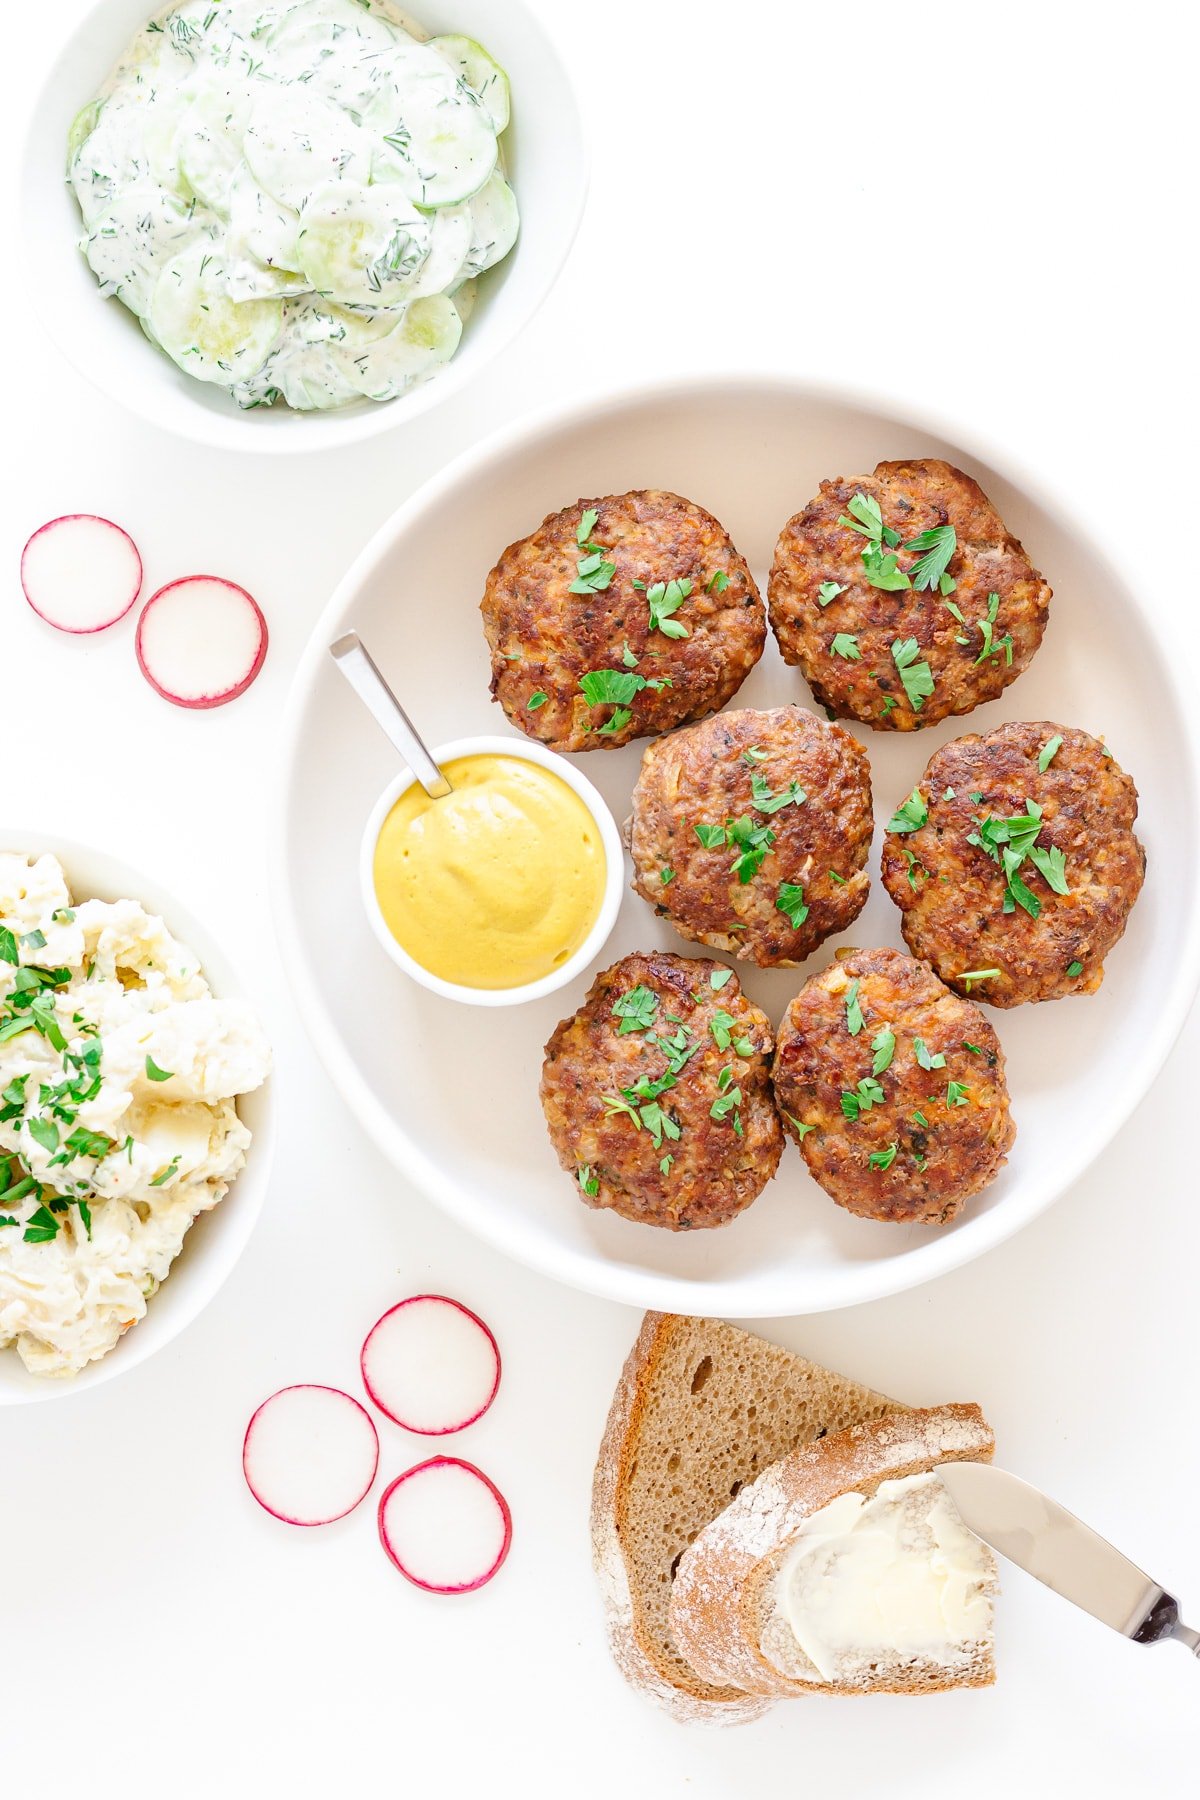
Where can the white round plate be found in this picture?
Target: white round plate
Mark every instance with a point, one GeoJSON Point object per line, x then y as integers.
{"type": "Point", "coordinates": [217, 1239]}
{"type": "Point", "coordinates": [454, 1101]}
{"type": "Point", "coordinates": [545, 158]}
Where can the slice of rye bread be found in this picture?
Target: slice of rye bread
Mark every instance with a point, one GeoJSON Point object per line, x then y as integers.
{"type": "Point", "coordinates": [723, 1613]}
{"type": "Point", "coordinates": [701, 1409]}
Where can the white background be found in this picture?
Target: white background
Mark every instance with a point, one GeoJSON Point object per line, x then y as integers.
{"type": "Point", "coordinates": [980, 208]}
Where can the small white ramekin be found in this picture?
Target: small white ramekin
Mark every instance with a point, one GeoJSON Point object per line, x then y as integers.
{"type": "Point", "coordinates": [524, 750]}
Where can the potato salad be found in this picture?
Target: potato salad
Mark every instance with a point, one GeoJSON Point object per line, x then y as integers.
{"type": "Point", "coordinates": [295, 197]}
{"type": "Point", "coordinates": [119, 1072]}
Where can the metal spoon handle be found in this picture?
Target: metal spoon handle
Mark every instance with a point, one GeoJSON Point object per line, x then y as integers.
{"type": "Point", "coordinates": [356, 665]}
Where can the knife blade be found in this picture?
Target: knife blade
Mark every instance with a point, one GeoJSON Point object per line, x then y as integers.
{"type": "Point", "coordinates": [1058, 1549]}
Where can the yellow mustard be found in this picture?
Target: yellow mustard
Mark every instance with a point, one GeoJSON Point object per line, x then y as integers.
{"type": "Point", "coordinates": [498, 883]}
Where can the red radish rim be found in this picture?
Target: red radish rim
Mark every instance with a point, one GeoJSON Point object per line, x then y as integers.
{"type": "Point", "coordinates": [447, 1462]}
{"type": "Point", "coordinates": [320, 1387]}
{"type": "Point", "coordinates": [83, 630]}
{"type": "Point", "coordinates": [425, 1430]}
{"type": "Point", "coordinates": [204, 702]}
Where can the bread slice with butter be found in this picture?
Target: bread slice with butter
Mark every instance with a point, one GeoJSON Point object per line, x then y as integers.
{"type": "Point", "coordinates": [701, 1410]}
{"type": "Point", "coordinates": [845, 1568]}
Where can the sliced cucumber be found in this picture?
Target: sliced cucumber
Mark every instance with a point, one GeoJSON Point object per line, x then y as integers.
{"type": "Point", "coordinates": [263, 242]}
{"type": "Point", "coordinates": [363, 246]}
{"type": "Point", "coordinates": [296, 141]}
{"type": "Point", "coordinates": [336, 49]}
{"type": "Point", "coordinates": [82, 127]}
{"type": "Point", "coordinates": [449, 246]}
{"type": "Point", "coordinates": [210, 336]}
{"type": "Point", "coordinates": [494, 225]}
{"type": "Point", "coordinates": [426, 337]}
{"type": "Point", "coordinates": [481, 72]}
{"type": "Point", "coordinates": [131, 244]}
{"type": "Point", "coordinates": [210, 139]}
{"type": "Point", "coordinates": [437, 139]}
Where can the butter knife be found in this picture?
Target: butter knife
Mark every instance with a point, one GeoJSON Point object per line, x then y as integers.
{"type": "Point", "coordinates": [1060, 1550]}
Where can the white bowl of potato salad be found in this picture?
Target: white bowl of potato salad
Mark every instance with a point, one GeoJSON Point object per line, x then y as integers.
{"type": "Point", "coordinates": [135, 1117]}
{"type": "Point", "coordinates": [289, 223]}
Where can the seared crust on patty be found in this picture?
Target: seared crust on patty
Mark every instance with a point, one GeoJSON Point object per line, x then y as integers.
{"type": "Point", "coordinates": [678, 1036]}
{"type": "Point", "coordinates": [969, 662]}
{"type": "Point", "coordinates": [951, 892]}
{"type": "Point", "coordinates": [544, 638]}
{"type": "Point", "coordinates": [739, 766]}
{"type": "Point", "coordinates": [938, 1134]}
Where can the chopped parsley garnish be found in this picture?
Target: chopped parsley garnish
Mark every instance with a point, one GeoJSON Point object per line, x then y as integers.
{"type": "Point", "coordinates": [1051, 864]}
{"type": "Point", "coordinates": [154, 1073]}
{"type": "Point", "coordinates": [1001, 646]}
{"type": "Point", "coordinates": [750, 841]}
{"type": "Point", "coordinates": [34, 940]}
{"type": "Point", "coordinates": [754, 755]}
{"type": "Point", "coordinates": [636, 1010]}
{"type": "Point", "coordinates": [723, 1025]}
{"type": "Point", "coordinates": [914, 869]}
{"type": "Point", "coordinates": [765, 801]}
{"type": "Point", "coordinates": [8, 946]}
{"type": "Point", "coordinates": [664, 1166]}
{"type": "Point", "coordinates": [956, 1094]}
{"type": "Point", "coordinates": [883, 1159]}
{"type": "Point", "coordinates": [878, 555]}
{"type": "Point", "coordinates": [593, 571]}
{"type": "Point", "coordinates": [664, 598]}
{"type": "Point", "coordinates": [729, 1098]}
{"type": "Point", "coordinates": [973, 1048]}
{"type": "Point", "coordinates": [829, 590]}
{"type": "Point", "coordinates": [916, 676]}
{"type": "Point", "coordinates": [928, 1059]}
{"type": "Point", "coordinates": [717, 582]}
{"type": "Point", "coordinates": [919, 1118]}
{"type": "Point", "coordinates": [44, 1132]}
{"type": "Point", "coordinates": [884, 1046]}
{"type": "Point", "coordinates": [536, 699]}
{"type": "Point", "coordinates": [628, 659]}
{"type": "Point", "coordinates": [85, 1213]}
{"type": "Point", "coordinates": [1074, 968]}
{"type": "Point", "coordinates": [867, 1094]}
{"type": "Point", "coordinates": [839, 879]}
{"type": "Point", "coordinates": [1010, 842]}
{"type": "Point", "coordinates": [1049, 751]}
{"type": "Point", "coordinates": [719, 979]}
{"type": "Point", "coordinates": [666, 875]}
{"type": "Point", "coordinates": [798, 1126]}
{"type": "Point", "coordinates": [165, 1175]}
{"type": "Point", "coordinates": [909, 816]}
{"type": "Point", "coordinates": [42, 1227]}
{"type": "Point", "coordinates": [854, 1017]}
{"type": "Point", "coordinates": [937, 546]}
{"type": "Point", "coordinates": [970, 976]}
{"type": "Point", "coordinates": [614, 687]}
{"type": "Point", "coordinates": [790, 901]}
{"type": "Point", "coordinates": [845, 645]}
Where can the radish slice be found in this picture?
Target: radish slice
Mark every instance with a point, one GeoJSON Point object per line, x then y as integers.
{"type": "Point", "coordinates": [446, 1527]}
{"type": "Point", "coordinates": [201, 641]}
{"type": "Point", "coordinates": [431, 1365]}
{"type": "Point", "coordinates": [81, 573]}
{"type": "Point", "coordinates": [310, 1454]}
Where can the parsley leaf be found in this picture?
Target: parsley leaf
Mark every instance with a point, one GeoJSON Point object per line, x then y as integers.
{"type": "Point", "coordinates": [790, 900]}
{"type": "Point", "coordinates": [588, 1182]}
{"type": "Point", "coordinates": [798, 1126]}
{"type": "Point", "coordinates": [719, 979]}
{"type": "Point", "coordinates": [154, 1073]}
{"type": "Point", "coordinates": [1049, 751]}
{"type": "Point", "coordinates": [925, 1057]}
{"type": "Point", "coordinates": [883, 1159]}
{"type": "Point", "coordinates": [666, 875]}
{"type": "Point", "coordinates": [765, 801]}
{"type": "Point", "coordinates": [910, 816]}
{"type": "Point", "coordinates": [1001, 645]}
{"type": "Point", "coordinates": [866, 1095]}
{"type": "Point", "coordinates": [664, 598]}
{"type": "Point", "coordinates": [884, 1046]}
{"type": "Point", "coordinates": [711, 836]}
{"type": "Point", "coordinates": [854, 1017]}
{"type": "Point", "coordinates": [636, 1009]}
{"type": "Point", "coordinates": [751, 842]}
{"type": "Point", "coordinates": [845, 645]}
{"type": "Point", "coordinates": [956, 1093]}
{"type": "Point", "coordinates": [1074, 968]}
{"type": "Point", "coordinates": [969, 977]}
{"type": "Point", "coordinates": [829, 590]}
{"type": "Point", "coordinates": [8, 946]}
{"type": "Point", "coordinates": [937, 546]}
{"type": "Point", "coordinates": [717, 582]}
{"type": "Point", "coordinates": [1052, 866]}
{"type": "Point", "coordinates": [536, 699]}
{"type": "Point", "coordinates": [42, 1227]}
{"type": "Point", "coordinates": [916, 676]}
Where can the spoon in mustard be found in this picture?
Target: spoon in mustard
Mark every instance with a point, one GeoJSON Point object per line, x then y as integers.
{"type": "Point", "coordinates": [354, 660]}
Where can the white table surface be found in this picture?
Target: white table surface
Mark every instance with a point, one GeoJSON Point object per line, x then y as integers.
{"type": "Point", "coordinates": [983, 209]}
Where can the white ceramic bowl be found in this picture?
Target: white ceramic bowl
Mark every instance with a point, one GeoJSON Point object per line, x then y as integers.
{"type": "Point", "coordinates": [614, 873]}
{"type": "Point", "coordinates": [217, 1239]}
{"type": "Point", "coordinates": [753, 450]}
{"type": "Point", "coordinates": [545, 157]}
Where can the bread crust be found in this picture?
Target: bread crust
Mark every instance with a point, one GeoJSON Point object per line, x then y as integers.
{"type": "Point", "coordinates": [717, 1600]}
{"type": "Point", "coordinates": [630, 1651]}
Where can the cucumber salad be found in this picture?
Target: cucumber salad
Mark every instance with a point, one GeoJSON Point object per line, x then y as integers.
{"type": "Point", "coordinates": [295, 197]}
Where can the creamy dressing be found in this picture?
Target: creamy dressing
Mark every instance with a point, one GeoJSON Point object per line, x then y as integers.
{"type": "Point", "coordinates": [295, 197]}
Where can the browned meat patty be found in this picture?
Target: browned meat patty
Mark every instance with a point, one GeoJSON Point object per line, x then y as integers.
{"type": "Point", "coordinates": [903, 598]}
{"type": "Point", "coordinates": [750, 832]}
{"type": "Point", "coordinates": [894, 1088]}
{"type": "Point", "coordinates": [619, 618]}
{"type": "Point", "coordinates": [658, 1096]}
{"type": "Point", "coordinates": [1014, 880]}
